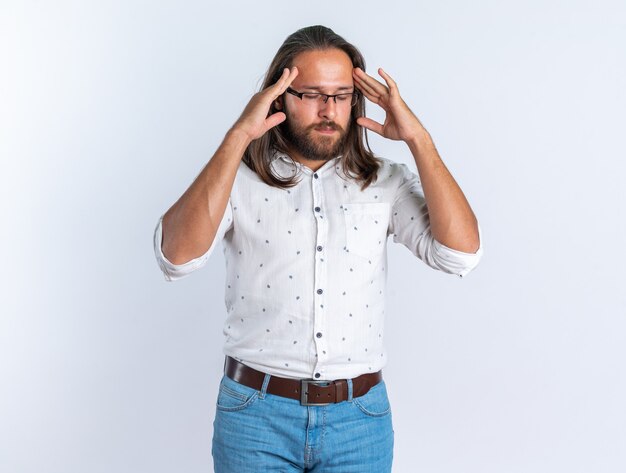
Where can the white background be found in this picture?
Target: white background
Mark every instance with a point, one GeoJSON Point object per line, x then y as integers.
{"type": "Point", "coordinates": [109, 110]}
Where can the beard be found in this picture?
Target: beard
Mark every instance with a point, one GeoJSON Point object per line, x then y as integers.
{"type": "Point", "coordinates": [311, 144]}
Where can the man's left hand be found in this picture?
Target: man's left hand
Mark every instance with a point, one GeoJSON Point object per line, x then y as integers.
{"type": "Point", "coordinates": [400, 122]}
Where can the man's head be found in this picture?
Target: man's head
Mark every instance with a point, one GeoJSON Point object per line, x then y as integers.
{"type": "Point", "coordinates": [325, 62]}
{"type": "Point", "coordinates": [316, 126]}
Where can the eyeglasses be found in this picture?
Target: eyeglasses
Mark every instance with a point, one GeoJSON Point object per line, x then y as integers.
{"type": "Point", "coordinates": [318, 98]}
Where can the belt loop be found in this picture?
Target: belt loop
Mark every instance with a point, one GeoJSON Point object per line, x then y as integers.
{"type": "Point", "coordinates": [349, 380]}
{"type": "Point", "coordinates": [266, 381]}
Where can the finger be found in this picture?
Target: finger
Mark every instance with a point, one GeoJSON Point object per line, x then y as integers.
{"type": "Point", "coordinates": [374, 98]}
{"type": "Point", "coordinates": [366, 89]}
{"type": "Point", "coordinates": [278, 88]}
{"type": "Point", "coordinates": [370, 125]}
{"type": "Point", "coordinates": [286, 79]}
{"type": "Point", "coordinates": [281, 78]}
{"type": "Point", "coordinates": [293, 73]}
{"type": "Point", "coordinates": [393, 87]}
{"type": "Point", "coordinates": [369, 80]}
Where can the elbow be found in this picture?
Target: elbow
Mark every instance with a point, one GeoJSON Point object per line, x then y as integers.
{"type": "Point", "coordinates": [174, 270]}
{"type": "Point", "coordinates": [454, 260]}
{"type": "Point", "coordinates": [177, 258]}
{"type": "Point", "coordinates": [467, 242]}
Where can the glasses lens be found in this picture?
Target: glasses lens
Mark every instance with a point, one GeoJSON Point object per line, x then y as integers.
{"type": "Point", "coordinates": [342, 99]}
{"type": "Point", "coordinates": [345, 99]}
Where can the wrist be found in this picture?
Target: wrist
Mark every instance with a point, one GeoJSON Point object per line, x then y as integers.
{"type": "Point", "coordinates": [419, 139]}
{"type": "Point", "coordinates": [238, 134]}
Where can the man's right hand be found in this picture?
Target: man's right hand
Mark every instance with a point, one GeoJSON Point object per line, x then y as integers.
{"type": "Point", "coordinates": [254, 121]}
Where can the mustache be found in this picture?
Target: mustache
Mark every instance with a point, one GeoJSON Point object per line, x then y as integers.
{"type": "Point", "coordinates": [331, 125]}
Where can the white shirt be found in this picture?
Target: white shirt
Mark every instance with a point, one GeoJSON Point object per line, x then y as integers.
{"type": "Point", "coordinates": [306, 267]}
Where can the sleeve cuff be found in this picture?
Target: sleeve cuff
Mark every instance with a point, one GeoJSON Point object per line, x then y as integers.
{"type": "Point", "coordinates": [172, 271]}
{"type": "Point", "coordinates": [458, 262]}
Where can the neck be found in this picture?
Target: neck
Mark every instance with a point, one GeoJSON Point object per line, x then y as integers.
{"type": "Point", "coordinates": [312, 164]}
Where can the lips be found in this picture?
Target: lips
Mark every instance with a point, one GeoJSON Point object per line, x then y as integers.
{"type": "Point", "coordinates": [326, 130]}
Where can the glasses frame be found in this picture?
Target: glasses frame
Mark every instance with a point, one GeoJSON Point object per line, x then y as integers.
{"type": "Point", "coordinates": [355, 95]}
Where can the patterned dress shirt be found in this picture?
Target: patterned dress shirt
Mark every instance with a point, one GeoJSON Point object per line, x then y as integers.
{"type": "Point", "coordinates": [306, 267]}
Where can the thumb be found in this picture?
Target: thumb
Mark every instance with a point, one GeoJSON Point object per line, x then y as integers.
{"type": "Point", "coordinates": [275, 119]}
{"type": "Point", "coordinates": [370, 125]}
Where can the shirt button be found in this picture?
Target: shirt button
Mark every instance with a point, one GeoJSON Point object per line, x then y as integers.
{"type": "Point", "coordinates": [319, 291]}
{"type": "Point", "coordinates": [318, 334]}
{"type": "Point", "coordinates": [319, 248]}
{"type": "Point", "coordinates": [317, 375]}
{"type": "Point", "coordinates": [317, 209]}
{"type": "Point", "coordinates": [315, 175]}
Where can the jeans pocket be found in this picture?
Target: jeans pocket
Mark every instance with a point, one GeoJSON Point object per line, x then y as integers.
{"type": "Point", "coordinates": [366, 227]}
{"type": "Point", "coordinates": [234, 396]}
{"type": "Point", "coordinates": [375, 403]}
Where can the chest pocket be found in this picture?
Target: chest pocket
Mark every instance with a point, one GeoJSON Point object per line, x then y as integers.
{"type": "Point", "coordinates": [366, 227]}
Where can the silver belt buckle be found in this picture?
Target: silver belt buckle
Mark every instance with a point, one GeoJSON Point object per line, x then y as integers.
{"type": "Point", "coordinates": [304, 398]}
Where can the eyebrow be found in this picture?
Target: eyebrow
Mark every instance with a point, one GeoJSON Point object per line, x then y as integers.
{"type": "Point", "coordinates": [314, 87]}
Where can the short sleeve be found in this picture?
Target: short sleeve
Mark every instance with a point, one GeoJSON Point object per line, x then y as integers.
{"type": "Point", "coordinates": [410, 225]}
{"type": "Point", "coordinates": [172, 271]}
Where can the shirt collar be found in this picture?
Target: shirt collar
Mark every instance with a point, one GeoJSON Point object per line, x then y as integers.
{"type": "Point", "coordinates": [287, 159]}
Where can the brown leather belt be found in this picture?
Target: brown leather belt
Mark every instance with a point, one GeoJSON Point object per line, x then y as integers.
{"type": "Point", "coordinates": [309, 392]}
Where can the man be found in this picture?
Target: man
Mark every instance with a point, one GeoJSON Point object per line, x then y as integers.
{"type": "Point", "coordinates": [304, 209]}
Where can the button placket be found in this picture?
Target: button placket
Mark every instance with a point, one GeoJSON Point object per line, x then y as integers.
{"type": "Point", "coordinates": [320, 278]}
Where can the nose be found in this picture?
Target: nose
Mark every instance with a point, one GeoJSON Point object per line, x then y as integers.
{"type": "Point", "coordinates": [328, 110]}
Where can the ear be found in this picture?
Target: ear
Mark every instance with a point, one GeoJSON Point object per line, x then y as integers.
{"type": "Point", "coordinates": [278, 103]}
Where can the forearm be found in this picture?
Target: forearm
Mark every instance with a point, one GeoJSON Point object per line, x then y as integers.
{"type": "Point", "coordinates": [452, 220]}
{"type": "Point", "coordinates": [190, 225]}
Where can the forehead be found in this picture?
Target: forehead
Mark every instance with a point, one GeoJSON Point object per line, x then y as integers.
{"type": "Point", "coordinates": [331, 68]}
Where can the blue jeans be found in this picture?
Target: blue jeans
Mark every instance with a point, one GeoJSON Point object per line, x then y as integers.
{"type": "Point", "coordinates": [255, 431]}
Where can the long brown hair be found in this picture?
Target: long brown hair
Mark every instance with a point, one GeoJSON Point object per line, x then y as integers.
{"type": "Point", "coordinates": [358, 161]}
